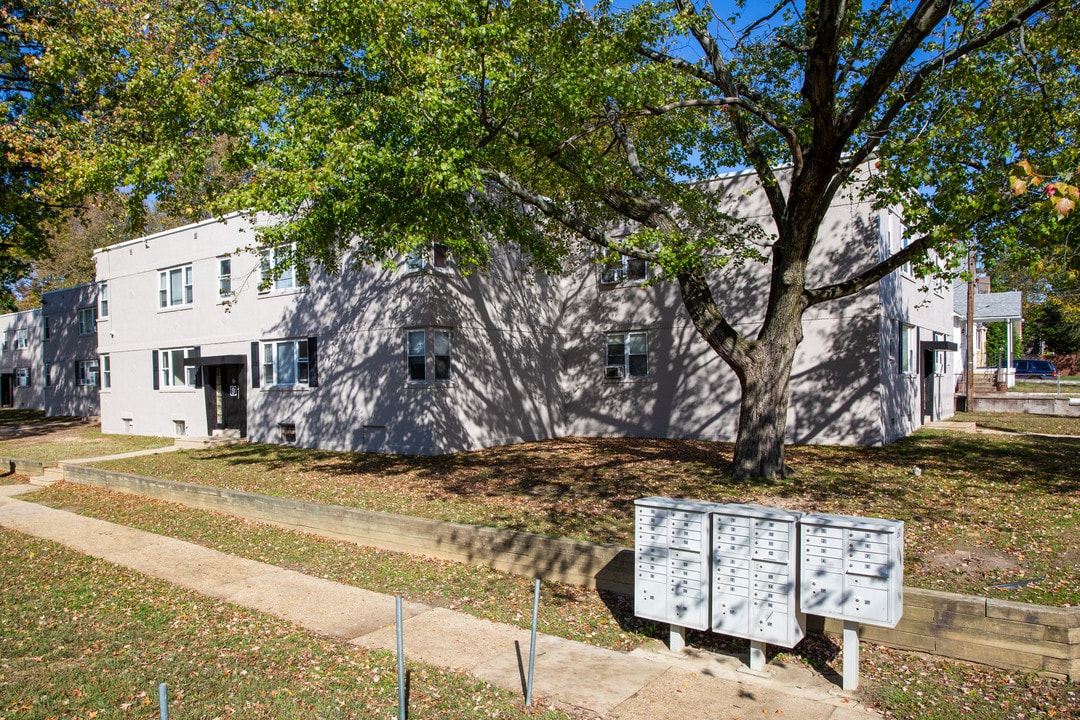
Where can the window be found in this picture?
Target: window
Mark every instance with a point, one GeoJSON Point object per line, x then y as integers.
{"type": "Point", "coordinates": [88, 321]}
{"type": "Point", "coordinates": [22, 339]}
{"type": "Point", "coordinates": [172, 370]}
{"type": "Point", "coordinates": [88, 372]}
{"type": "Point", "coordinates": [622, 269]}
{"type": "Point", "coordinates": [908, 365]}
{"type": "Point", "coordinates": [22, 377]}
{"type": "Point", "coordinates": [103, 300]}
{"type": "Point", "coordinates": [278, 268]}
{"type": "Point", "coordinates": [627, 356]}
{"type": "Point", "coordinates": [46, 331]}
{"type": "Point", "coordinates": [288, 432]}
{"type": "Point", "coordinates": [433, 257]}
{"type": "Point", "coordinates": [423, 365]}
{"type": "Point", "coordinates": [48, 375]}
{"type": "Point", "coordinates": [106, 372]}
{"type": "Point", "coordinates": [224, 277]}
{"type": "Point", "coordinates": [286, 362]}
{"type": "Point", "coordinates": [174, 287]}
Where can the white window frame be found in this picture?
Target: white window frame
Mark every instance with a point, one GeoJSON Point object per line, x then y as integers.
{"type": "Point", "coordinates": [623, 270]}
{"type": "Point", "coordinates": [269, 259]}
{"type": "Point", "coordinates": [103, 300]}
{"type": "Point", "coordinates": [170, 295]}
{"type": "Point", "coordinates": [433, 256]}
{"type": "Point", "coordinates": [626, 368]}
{"type": "Point", "coordinates": [88, 373]}
{"type": "Point", "coordinates": [291, 355]}
{"type": "Point", "coordinates": [429, 355]}
{"type": "Point", "coordinates": [87, 320]}
{"type": "Point", "coordinates": [170, 361]}
{"type": "Point", "coordinates": [22, 338]}
{"type": "Point", "coordinates": [22, 377]}
{"type": "Point", "coordinates": [909, 340]}
{"type": "Point", "coordinates": [224, 277]}
{"type": "Point", "coordinates": [105, 365]}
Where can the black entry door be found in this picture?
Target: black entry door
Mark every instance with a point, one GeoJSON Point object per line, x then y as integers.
{"type": "Point", "coordinates": [7, 390]}
{"type": "Point", "coordinates": [929, 375]}
{"type": "Point", "coordinates": [226, 405]}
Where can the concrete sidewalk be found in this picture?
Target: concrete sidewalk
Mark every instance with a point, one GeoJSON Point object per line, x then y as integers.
{"type": "Point", "coordinates": [644, 684]}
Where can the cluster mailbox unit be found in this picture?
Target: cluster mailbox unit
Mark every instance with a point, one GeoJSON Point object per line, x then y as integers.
{"type": "Point", "coordinates": [754, 572]}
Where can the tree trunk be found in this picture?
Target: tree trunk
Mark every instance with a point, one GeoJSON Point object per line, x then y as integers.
{"type": "Point", "coordinates": [759, 447]}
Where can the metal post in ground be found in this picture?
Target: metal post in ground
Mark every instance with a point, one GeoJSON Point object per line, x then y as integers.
{"type": "Point", "coordinates": [400, 659]}
{"type": "Point", "coordinates": [532, 644]}
{"type": "Point", "coordinates": [163, 700]}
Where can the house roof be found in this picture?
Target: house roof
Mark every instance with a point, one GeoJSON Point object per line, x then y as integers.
{"type": "Point", "coordinates": [991, 307]}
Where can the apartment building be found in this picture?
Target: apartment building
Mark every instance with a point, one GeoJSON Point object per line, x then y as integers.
{"type": "Point", "coordinates": [201, 335]}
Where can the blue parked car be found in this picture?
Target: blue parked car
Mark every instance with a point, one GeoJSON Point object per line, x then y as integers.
{"type": "Point", "coordinates": [1035, 369]}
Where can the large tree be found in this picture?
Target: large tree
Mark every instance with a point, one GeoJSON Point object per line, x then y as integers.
{"type": "Point", "coordinates": [370, 127]}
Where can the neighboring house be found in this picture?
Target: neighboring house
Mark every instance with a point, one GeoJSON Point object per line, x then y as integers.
{"type": "Point", "coordinates": [203, 337]}
{"type": "Point", "coordinates": [48, 355]}
{"type": "Point", "coordinates": [990, 307]}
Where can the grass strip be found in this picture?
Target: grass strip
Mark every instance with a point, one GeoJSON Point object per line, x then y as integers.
{"type": "Point", "coordinates": [980, 511]}
{"type": "Point", "coordinates": [906, 686]}
{"type": "Point", "coordinates": [81, 638]}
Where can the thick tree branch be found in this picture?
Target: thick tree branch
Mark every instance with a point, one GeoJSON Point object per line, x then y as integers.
{"type": "Point", "coordinates": [747, 137]}
{"type": "Point", "coordinates": [918, 80]}
{"type": "Point", "coordinates": [710, 322]}
{"type": "Point", "coordinates": [869, 276]}
{"type": "Point", "coordinates": [565, 217]}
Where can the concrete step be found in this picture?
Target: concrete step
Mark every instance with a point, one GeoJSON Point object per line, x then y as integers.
{"type": "Point", "coordinates": [200, 442]}
{"type": "Point", "coordinates": [50, 476]}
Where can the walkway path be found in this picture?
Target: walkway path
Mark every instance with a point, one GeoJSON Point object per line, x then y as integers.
{"type": "Point", "coordinates": [641, 685]}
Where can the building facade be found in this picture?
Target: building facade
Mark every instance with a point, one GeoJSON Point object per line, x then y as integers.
{"type": "Point", "coordinates": [203, 334]}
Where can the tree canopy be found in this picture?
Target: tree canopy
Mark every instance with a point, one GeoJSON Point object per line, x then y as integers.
{"type": "Point", "coordinates": [371, 127]}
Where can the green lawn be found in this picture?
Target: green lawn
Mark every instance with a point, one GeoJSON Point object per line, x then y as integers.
{"type": "Point", "coordinates": [79, 442]}
{"type": "Point", "coordinates": [980, 510]}
{"type": "Point", "coordinates": [1022, 422]}
{"type": "Point", "coordinates": [80, 639]}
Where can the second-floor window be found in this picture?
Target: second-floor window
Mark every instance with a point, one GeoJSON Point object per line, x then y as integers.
{"type": "Point", "coordinates": [87, 321]}
{"type": "Point", "coordinates": [224, 277]}
{"type": "Point", "coordinates": [22, 339]}
{"type": "Point", "coordinates": [623, 269]}
{"type": "Point", "coordinates": [908, 340]}
{"type": "Point", "coordinates": [175, 287]}
{"type": "Point", "coordinates": [103, 300]}
{"type": "Point", "coordinates": [46, 331]}
{"type": "Point", "coordinates": [429, 257]}
{"type": "Point", "coordinates": [278, 268]}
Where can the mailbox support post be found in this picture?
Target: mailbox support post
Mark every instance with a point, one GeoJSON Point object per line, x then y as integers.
{"type": "Point", "coordinates": [677, 638]}
{"type": "Point", "coordinates": [851, 655]}
{"type": "Point", "coordinates": [757, 656]}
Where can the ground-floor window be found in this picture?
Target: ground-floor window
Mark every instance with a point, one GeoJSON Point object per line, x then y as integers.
{"type": "Point", "coordinates": [171, 367]}
{"type": "Point", "coordinates": [286, 362]}
{"type": "Point", "coordinates": [106, 372]}
{"type": "Point", "coordinates": [627, 355]}
{"type": "Point", "coordinates": [908, 344]}
{"type": "Point", "coordinates": [87, 372]}
{"type": "Point", "coordinates": [428, 354]}
{"type": "Point", "coordinates": [22, 377]}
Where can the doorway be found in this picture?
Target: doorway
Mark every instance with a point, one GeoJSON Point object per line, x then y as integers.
{"type": "Point", "coordinates": [226, 397]}
{"type": "Point", "coordinates": [7, 390]}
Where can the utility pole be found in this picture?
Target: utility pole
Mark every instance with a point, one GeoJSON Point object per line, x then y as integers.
{"type": "Point", "coordinates": [969, 349]}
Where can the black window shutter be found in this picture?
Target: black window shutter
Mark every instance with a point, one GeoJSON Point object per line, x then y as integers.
{"type": "Point", "coordinates": [313, 361]}
{"type": "Point", "coordinates": [196, 352]}
{"type": "Point", "coordinates": [76, 383]}
{"type": "Point", "coordinates": [153, 355]}
{"type": "Point", "coordinates": [255, 364]}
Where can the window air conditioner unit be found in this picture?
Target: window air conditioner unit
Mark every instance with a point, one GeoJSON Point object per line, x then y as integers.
{"type": "Point", "coordinates": [614, 372]}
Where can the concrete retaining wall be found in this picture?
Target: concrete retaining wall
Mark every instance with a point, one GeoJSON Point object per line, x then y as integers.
{"type": "Point", "coordinates": [1026, 403]}
{"type": "Point", "coordinates": [24, 467]}
{"type": "Point", "coordinates": [1003, 634]}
